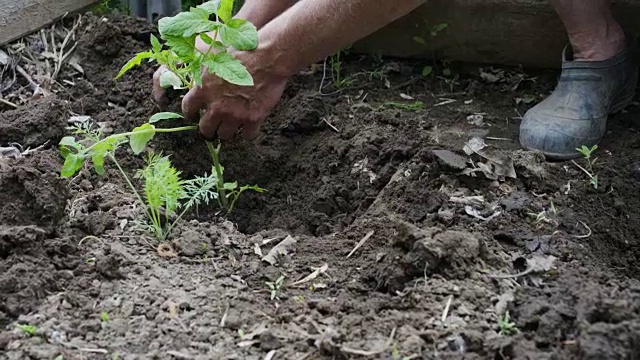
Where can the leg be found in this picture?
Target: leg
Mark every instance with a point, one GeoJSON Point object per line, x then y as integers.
{"type": "Point", "coordinates": [593, 32]}
{"type": "Point", "coordinates": [598, 78]}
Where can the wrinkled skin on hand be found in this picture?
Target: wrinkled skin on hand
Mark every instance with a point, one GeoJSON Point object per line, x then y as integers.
{"type": "Point", "coordinates": [227, 108]}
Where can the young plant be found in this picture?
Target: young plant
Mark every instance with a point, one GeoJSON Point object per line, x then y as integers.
{"type": "Point", "coordinates": [165, 196]}
{"type": "Point", "coordinates": [276, 287]}
{"type": "Point", "coordinates": [336, 71]}
{"type": "Point", "coordinates": [27, 329]}
{"type": "Point", "coordinates": [506, 326]}
{"type": "Point", "coordinates": [587, 154]}
{"type": "Point", "coordinates": [185, 62]}
{"type": "Point", "coordinates": [104, 316]}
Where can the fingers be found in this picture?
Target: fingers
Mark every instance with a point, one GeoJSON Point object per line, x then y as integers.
{"type": "Point", "coordinates": [209, 124]}
{"type": "Point", "coordinates": [228, 128]}
{"type": "Point", "coordinates": [158, 91]}
{"type": "Point", "coordinates": [193, 102]}
{"type": "Point", "coordinates": [251, 130]}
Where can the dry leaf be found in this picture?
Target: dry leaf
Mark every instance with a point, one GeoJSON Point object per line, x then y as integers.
{"type": "Point", "coordinates": [473, 212]}
{"type": "Point", "coordinates": [313, 275]}
{"type": "Point", "coordinates": [282, 249]}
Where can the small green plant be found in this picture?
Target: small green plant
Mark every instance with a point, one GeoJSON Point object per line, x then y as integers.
{"type": "Point", "coordinates": [414, 106]}
{"type": "Point", "coordinates": [336, 71]}
{"type": "Point", "coordinates": [276, 287]}
{"type": "Point", "coordinates": [27, 329]}
{"type": "Point", "coordinates": [104, 316]}
{"type": "Point", "coordinates": [506, 326]}
{"type": "Point", "coordinates": [167, 197]}
{"type": "Point", "coordinates": [587, 154]}
{"type": "Point", "coordinates": [549, 216]}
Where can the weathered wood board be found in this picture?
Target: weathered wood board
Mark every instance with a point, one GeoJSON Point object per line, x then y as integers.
{"type": "Point", "coordinates": [21, 17]}
{"type": "Point", "coordinates": [513, 32]}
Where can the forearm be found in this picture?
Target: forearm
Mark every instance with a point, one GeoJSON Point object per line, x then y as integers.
{"type": "Point", "coordinates": [314, 29]}
{"type": "Point", "coordinates": [261, 12]}
{"type": "Point", "coordinates": [258, 12]}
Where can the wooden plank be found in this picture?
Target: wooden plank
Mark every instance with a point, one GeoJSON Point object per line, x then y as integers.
{"type": "Point", "coordinates": [510, 32]}
{"type": "Point", "coordinates": [21, 17]}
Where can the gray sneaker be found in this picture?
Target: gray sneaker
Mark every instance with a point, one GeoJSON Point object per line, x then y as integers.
{"type": "Point", "coordinates": [576, 113]}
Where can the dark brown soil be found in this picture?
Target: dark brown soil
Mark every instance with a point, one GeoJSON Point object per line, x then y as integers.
{"type": "Point", "coordinates": [427, 284]}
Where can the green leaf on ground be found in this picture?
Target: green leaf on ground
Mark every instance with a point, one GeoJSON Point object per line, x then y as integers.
{"type": "Point", "coordinates": [136, 61]}
{"type": "Point", "coordinates": [141, 137]}
{"type": "Point", "coordinates": [240, 34]}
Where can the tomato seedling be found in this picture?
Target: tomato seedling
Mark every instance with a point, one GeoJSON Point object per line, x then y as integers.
{"type": "Point", "coordinates": [165, 192]}
{"type": "Point", "coordinates": [184, 61]}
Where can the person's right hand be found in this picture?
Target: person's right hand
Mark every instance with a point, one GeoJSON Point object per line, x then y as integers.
{"type": "Point", "coordinates": [229, 108]}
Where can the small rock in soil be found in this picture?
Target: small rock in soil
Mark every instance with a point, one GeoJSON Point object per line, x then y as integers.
{"type": "Point", "coordinates": [191, 243]}
{"type": "Point", "coordinates": [109, 267]}
{"type": "Point", "coordinates": [268, 341]}
{"type": "Point", "coordinates": [450, 159]}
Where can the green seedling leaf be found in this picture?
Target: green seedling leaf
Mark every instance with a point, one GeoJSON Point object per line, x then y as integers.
{"type": "Point", "coordinates": [225, 11]}
{"type": "Point", "coordinates": [229, 69]}
{"type": "Point", "coordinates": [72, 163]}
{"type": "Point", "coordinates": [170, 79]}
{"type": "Point", "coordinates": [230, 186]}
{"type": "Point", "coordinates": [186, 24]}
{"type": "Point", "coordinates": [211, 7]}
{"type": "Point", "coordinates": [69, 141]}
{"type": "Point", "coordinates": [104, 316]}
{"type": "Point", "coordinates": [155, 44]}
{"type": "Point", "coordinates": [99, 151]}
{"type": "Point", "coordinates": [141, 137]}
{"type": "Point", "coordinates": [207, 39]}
{"type": "Point", "coordinates": [67, 144]}
{"type": "Point", "coordinates": [240, 34]}
{"type": "Point", "coordinates": [427, 70]}
{"type": "Point", "coordinates": [164, 116]}
{"type": "Point", "coordinates": [195, 70]}
{"type": "Point", "coordinates": [136, 61]}
{"type": "Point", "coordinates": [98, 162]}
{"type": "Point", "coordinates": [255, 188]}
{"type": "Point", "coordinates": [182, 46]}
{"type": "Point", "coordinates": [213, 43]}
{"type": "Point", "coordinates": [419, 40]}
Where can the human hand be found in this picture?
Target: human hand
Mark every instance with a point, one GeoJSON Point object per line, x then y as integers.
{"type": "Point", "coordinates": [229, 108]}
